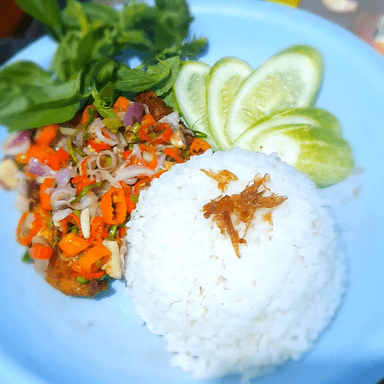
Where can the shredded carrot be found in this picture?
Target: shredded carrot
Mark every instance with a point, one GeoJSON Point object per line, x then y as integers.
{"type": "Point", "coordinates": [94, 258]}
{"type": "Point", "coordinates": [147, 148]}
{"type": "Point", "coordinates": [25, 235]}
{"type": "Point", "coordinates": [145, 180]}
{"type": "Point", "coordinates": [140, 183]}
{"type": "Point", "coordinates": [45, 198]}
{"type": "Point", "coordinates": [121, 104]}
{"type": "Point", "coordinates": [40, 251]}
{"type": "Point", "coordinates": [81, 182]}
{"type": "Point", "coordinates": [72, 245]}
{"type": "Point", "coordinates": [198, 146]}
{"type": "Point", "coordinates": [174, 153]}
{"type": "Point", "coordinates": [113, 206]}
{"type": "Point", "coordinates": [126, 154]}
{"type": "Point", "coordinates": [46, 134]}
{"type": "Point", "coordinates": [98, 145]}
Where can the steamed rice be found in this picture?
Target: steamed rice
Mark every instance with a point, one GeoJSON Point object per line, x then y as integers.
{"type": "Point", "coordinates": [222, 314]}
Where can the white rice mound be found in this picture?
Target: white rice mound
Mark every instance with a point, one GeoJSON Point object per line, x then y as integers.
{"type": "Point", "coordinates": [221, 314]}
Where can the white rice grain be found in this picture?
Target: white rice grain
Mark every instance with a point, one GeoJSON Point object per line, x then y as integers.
{"type": "Point", "coordinates": [221, 314]}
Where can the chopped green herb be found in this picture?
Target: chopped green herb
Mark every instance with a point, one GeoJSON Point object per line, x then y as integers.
{"type": "Point", "coordinates": [200, 135]}
{"type": "Point", "coordinates": [135, 128]}
{"type": "Point", "coordinates": [112, 232]}
{"type": "Point", "coordinates": [113, 123]}
{"type": "Point", "coordinates": [85, 190]}
{"type": "Point", "coordinates": [26, 258]}
{"type": "Point", "coordinates": [81, 280]}
{"type": "Point", "coordinates": [74, 229]}
{"type": "Point", "coordinates": [71, 150]}
{"type": "Point", "coordinates": [134, 198]}
{"type": "Point", "coordinates": [77, 212]}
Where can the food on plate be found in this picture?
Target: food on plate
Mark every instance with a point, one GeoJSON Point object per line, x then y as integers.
{"type": "Point", "coordinates": [223, 80]}
{"type": "Point", "coordinates": [79, 181]}
{"type": "Point", "coordinates": [269, 109]}
{"type": "Point", "coordinates": [218, 312]}
{"type": "Point", "coordinates": [190, 92]}
{"type": "Point", "coordinates": [289, 79]}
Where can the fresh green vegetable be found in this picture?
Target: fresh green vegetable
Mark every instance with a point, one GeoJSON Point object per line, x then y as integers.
{"type": "Point", "coordinates": [26, 258]}
{"type": "Point", "coordinates": [81, 280]}
{"type": "Point", "coordinates": [268, 110]}
{"type": "Point", "coordinates": [224, 79]}
{"type": "Point", "coordinates": [85, 190]}
{"type": "Point", "coordinates": [190, 91]}
{"type": "Point", "coordinates": [324, 155]}
{"type": "Point", "coordinates": [289, 79]}
{"type": "Point", "coordinates": [112, 232]}
{"type": "Point", "coordinates": [85, 66]}
{"type": "Point", "coordinates": [315, 117]}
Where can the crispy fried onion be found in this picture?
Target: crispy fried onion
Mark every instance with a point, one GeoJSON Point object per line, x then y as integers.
{"type": "Point", "coordinates": [241, 207]}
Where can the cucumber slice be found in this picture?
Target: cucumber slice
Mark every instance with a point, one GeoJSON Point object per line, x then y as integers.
{"type": "Point", "coordinates": [290, 79]}
{"type": "Point", "coordinates": [224, 79]}
{"type": "Point", "coordinates": [190, 92]}
{"type": "Point", "coordinates": [315, 117]}
{"type": "Point", "coordinates": [324, 155]}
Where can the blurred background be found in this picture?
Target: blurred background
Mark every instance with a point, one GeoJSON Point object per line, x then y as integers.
{"type": "Point", "coordinates": [365, 18]}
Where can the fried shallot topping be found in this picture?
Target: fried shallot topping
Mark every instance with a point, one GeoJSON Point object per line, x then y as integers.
{"type": "Point", "coordinates": [222, 177]}
{"type": "Point", "coordinates": [241, 207]}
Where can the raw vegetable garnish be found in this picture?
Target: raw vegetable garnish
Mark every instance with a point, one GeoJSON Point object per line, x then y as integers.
{"type": "Point", "coordinates": [85, 68]}
{"type": "Point", "coordinates": [269, 109]}
{"type": "Point", "coordinates": [242, 206]}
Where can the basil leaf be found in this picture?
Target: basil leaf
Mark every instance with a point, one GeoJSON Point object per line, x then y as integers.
{"type": "Point", "coordinates": [194, 48]}
{"type": "Point", "coordinates": [101, 13]}
{"type": "Point", "coordinates": [164, 86]}
{"type": "Point", "coordinates": [45, 11]}
{"type": "Point", "coordinates": [137, 80]}
{"type": "Point", "coordinates": [30, 97]}
{"type": "Point", "coordinates": [103, 101]}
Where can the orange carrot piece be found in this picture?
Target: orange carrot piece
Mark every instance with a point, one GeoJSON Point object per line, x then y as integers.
{"type": "Point", "coordinates": [72, 245]}
{"type": "Point", "coordinates": [121, 104]}
{"type": "Point", "coordinates": [94, 258]}
{"type": "Point", "coordinates": [40, 251]}
{"type": "Point", "coordinates": [98, 145]}
{"type": "Point", "coordinates": [86, 116]}
{"type": "Point", "coordinates": [198, 147]}
{"type": "Point", "coordinates": [46, 134]}
{"type": "Point", "coordinates": [174, 153]}
{"type": "Point", "coordinates": [87, 275]}
{"type": "Point", "coordinates": [45, 198]}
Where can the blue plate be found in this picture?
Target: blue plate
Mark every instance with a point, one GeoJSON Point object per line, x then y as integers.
{"type": "Point", "coordinates": [46, 337]}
